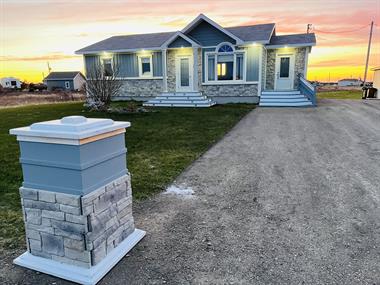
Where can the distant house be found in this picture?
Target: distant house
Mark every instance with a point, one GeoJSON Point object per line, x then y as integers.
{"type": "Point", "coordinates": [10, 82]}
{"type": "Point", "coordinates": [349, 82]}
{"type": "Point", "coordinates": [65, 80]}
{"type": "Point", "coordinates": [376, 80]}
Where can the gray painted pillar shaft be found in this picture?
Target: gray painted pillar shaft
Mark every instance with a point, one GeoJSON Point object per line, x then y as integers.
{"type": "Point", "coordinates": [195, 68]}
{"type": "Point", "coordinates": [164, 72]}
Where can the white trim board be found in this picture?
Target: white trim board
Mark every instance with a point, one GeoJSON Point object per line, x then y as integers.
{"type": "Point", "coordinates": [81, 275]}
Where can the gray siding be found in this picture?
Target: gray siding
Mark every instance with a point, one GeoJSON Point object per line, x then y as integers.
{"type": "Point", "coordinates": [180, 42]}
{"type": "Point", "coordinates": [207, 35]}
{"type": "Point", "coordinates": [253, 63]}
{"type": "Point", "coordinates": [59, 84]}
{"type": "Point", "coordinates": [204, 50]}
{"type": "Point", "coordinates": [127, 64]}
{"type": "Point", "coordinates": [157, 64]}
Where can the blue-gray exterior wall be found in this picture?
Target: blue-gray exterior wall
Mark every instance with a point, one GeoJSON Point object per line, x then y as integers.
{"type": "Point", "coordinates": [253, 63]}
{"type": "Point", "coordinates": [59, 84]}
{"type": "Point", "coordinates": [127, 64]}
{"type": "Point", "coordinates": [73, 169]}
{"type": "Point", "coordinates": [179, 42]}
{"type": "Point", "coordinates": [208, 35]}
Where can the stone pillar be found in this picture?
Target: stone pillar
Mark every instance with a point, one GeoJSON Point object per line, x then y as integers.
{"type": "Point", "coordinates": [76, 197]}
{"type": "Point", "coordinates": [164, 71]}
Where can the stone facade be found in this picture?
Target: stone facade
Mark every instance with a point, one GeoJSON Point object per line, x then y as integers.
{"type": "Point", "coordinates": [144, 88]}
{"type": "Point", "coordinates": [299, 66]}
{"type": "Point", "coordinates": [78, 230]}
{"type": "Point", "coordinates": [230, 90]}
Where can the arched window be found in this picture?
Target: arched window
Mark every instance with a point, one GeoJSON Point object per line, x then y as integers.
{"type": "Point", "coordinates": [225, 48]}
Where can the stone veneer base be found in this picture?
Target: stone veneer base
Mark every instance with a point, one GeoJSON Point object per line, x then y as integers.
{"type": "Point", "coordinates": [86, 276]}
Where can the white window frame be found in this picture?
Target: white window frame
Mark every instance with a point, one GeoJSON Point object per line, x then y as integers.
{"type": "Point", "coordinates": [67, 84]}
{"type": "Point", "coordinates": [233, 81]}
{"type": "Point", "coordinates": [150, 74]}
{"type": "Point", "coordinates": [111, 60]}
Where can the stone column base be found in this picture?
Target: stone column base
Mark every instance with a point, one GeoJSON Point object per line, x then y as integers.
{"type": "Point", "coordinates": [86, 276]}
{"type": "Point", "coordinates": [78, 231]}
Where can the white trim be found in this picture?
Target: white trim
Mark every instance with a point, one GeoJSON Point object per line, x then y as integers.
{"type": "Point", "coordinates": [212, 23]}
{"type": "Point", "coordinates": [164, 71]}
{"type": "Point", "coordinates": [81, 275]}
{"type": "Point", "coordinates": [179, 34]}
{"type": "Point", "coordinates": [214, 82]}
{"type": "Point", "coordinates": [139, 57]}
{"type": "Point", "coordinates": [259, 87]}
{"type": "Point", "coordinates": [289, 45]}
{"type": "Point", "coordinates": [230, 82]}
{"type": "Point", "coordinates": [291, 56]}
{"type": "Point", "coordinates": [139, 78]}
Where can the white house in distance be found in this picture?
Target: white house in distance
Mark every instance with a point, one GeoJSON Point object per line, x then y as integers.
{"type": "Point", "coordinates": [349, 82]}
{"type": "Point", "coordinates": [376, 80]}
{"type": "Point", "coordinates": [10, 82]}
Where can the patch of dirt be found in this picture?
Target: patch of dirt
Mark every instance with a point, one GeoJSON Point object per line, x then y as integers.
{"type": "Point", "coordinates": [14, 99]}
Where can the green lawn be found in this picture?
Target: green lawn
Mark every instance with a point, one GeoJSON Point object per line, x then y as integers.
{"type": "Point", "coordinates": [344, 94]}
{"type": "Point", "coordinates": [161, 145]}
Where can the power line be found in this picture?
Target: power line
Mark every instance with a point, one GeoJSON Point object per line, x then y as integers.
{"type": "Point", "coordinates": [340, 32]}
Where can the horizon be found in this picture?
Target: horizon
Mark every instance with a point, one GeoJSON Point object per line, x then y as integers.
{"type": "Point", "coordinates": [56, 29]}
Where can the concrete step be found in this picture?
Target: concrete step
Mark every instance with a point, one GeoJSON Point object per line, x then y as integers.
{"type": "Point", "coordinates": [187, 94]}
{"type": "Point", "coordinates": [189, 105]}
{"type": "Point", "coordinates": [181, 97]}
{"type": "Point", "coordinates": [281, 96]}
{"type": "Point", "coordinates": [293, 100]}
{"type": "Point", "coordinates": [285, 92]}
{"type": "Point", "coordinates": [157, 101]}
{"type": "Point", "coordinates": [288, 104]}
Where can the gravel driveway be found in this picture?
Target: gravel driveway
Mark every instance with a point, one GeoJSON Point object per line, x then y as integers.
{"type": "Point", "coordinates": [289, 196]}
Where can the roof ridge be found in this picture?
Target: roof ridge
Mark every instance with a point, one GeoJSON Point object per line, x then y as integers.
{"type": "Point", "coordinates": [242, 26]}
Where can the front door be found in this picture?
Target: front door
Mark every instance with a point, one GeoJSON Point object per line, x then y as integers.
{"type": "Point", "coordinates": [284, 77]}
{"type": "Point", "coordinates": [184, 72]}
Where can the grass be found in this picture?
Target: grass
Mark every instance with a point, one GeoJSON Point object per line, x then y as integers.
{"type": "Point", "coordinates": [343, 94]}
{"type": "Point", "coordinates": [161, 145]}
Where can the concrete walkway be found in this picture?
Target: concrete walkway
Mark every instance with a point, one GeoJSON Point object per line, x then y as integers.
{"type": "Point", "coordinates": [289, 196]}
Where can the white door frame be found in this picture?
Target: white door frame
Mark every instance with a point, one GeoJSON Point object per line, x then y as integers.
{"type": "Point", "coordinates": [180, 88]}
{"type": "Point", "coordinates": [291, 68]}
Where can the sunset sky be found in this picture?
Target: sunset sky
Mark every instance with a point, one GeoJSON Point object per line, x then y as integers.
{"type": "Point", "coordinates": [33, 33]}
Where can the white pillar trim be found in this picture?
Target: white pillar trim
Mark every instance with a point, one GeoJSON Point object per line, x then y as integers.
{"type": "Point", "coordinates": [195, 69]}
{"type": "Point", "coordinates": [164, 71]}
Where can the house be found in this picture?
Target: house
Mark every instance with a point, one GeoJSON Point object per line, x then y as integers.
{"type": "Point", "coordinates": [65, 80]}
{"type": "Point", "coordinates": [10, 82]}
{"type": "Point", "coordinates": [349, 82]}
{"type": "Point", "coordinates": [205, 63]}
{"type": "Point", "coordinates": [376, 80]}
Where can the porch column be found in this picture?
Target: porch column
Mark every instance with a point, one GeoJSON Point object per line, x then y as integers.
{"type": "Point", "coordinates": [195, 68]}
{"type": "Point", "coordinates": [164, 71]}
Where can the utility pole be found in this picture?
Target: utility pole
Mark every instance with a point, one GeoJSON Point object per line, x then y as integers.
{"type": "Point", "coordinates": [309, 26]}
{"type": "Point", "coordinates": [368, 51]}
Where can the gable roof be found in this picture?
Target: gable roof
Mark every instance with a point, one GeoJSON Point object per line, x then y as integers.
{"type": "Point", "coordinates": [181, 35]}
{"type": "Point", "coordinates": [253, 33]}
{"type": "Point", "coordinates": [201, 18]}
{"type": "Point", "coordinates": [63, 75]}
{"type": "Point", "coordinates": [295, 39]}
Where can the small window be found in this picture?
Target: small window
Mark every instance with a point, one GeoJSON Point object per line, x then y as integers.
{"type": "Point", "coordinates": [239, 66]}
{"type": "Point", "coordinates": [67, 84]}
{"type": "Point", "coordinates": [13, 83]}
{"type": "Point", "coordinates": [145, 65]}
{"type": "Point", "coordinates": [225, 48]}
{"type": "Point", "coordinates": [211, 68]}
{"type": "Point", "coordinates": [284, 67]}
{"type": "Point", "coordinates": [107, 67]}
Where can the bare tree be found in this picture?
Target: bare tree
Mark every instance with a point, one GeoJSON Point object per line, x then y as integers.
{"type": "Point", "coordinates": [102, 84]}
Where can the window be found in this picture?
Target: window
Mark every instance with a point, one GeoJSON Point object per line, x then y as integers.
{"type": "Point", "coordinates": [284, 67]}
{"type": "Point", "coordinates": [225, 64]}
{"type": "Point", "coordinates": [67, 84]}
{"type": "Point", "coordinates": [145, 66]}
{"type": "Point", "coordinates": [107, 67]}
{"type": "Point", "coordinates": [13, 83]}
